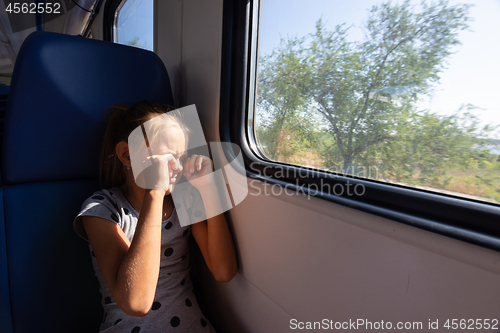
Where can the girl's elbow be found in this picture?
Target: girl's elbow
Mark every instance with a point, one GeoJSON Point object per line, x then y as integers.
{"type": "Point", "coordinates": [135, 309]}
{"type": "Point", "coordinates": [226, 275]}
{"type": "Point", "coordinates": [226, 278]}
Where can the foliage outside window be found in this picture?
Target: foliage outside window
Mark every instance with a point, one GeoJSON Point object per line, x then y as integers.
{"type": "Point", "coordinates": [361, 106]}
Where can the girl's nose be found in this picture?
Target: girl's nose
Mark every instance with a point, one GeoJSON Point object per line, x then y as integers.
{"type": "Point", "coordinates": [176, 165]}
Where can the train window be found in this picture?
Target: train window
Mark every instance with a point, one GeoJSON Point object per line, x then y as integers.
{"type": "Point", "coordinates": [133, 24]}
{"type": "Point", "coordinates": [398, 92]}
{"type": "Point", "coordinates": [303, 98]}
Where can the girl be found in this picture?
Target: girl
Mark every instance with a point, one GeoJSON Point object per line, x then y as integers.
{"type": "Point", "coordinates": [139, 250]}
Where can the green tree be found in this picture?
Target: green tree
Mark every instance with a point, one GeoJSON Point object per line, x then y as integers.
{"type": "Point", "coordinates": [282, 123]}
{"type": "Point", "coordinates": [363, 89]}
{"type": "Point", "coordinates": [134, 42]}
{"type": "Point", "coordinates": [427, 145]}
{"type": "Point", "coordinates": [366, 90]}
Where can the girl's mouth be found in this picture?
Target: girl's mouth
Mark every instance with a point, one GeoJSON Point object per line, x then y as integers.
{"type": "Point", "coordinates": [173, 177]}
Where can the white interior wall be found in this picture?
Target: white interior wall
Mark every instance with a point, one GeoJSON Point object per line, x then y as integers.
{"type": "Point", "coordinates": [168, 42]}
{"type": "Point", "coordinates": [317, 260]}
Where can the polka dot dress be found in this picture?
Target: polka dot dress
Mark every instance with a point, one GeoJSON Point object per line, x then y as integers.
{"type": "Point", "coordinates": [174, 308]}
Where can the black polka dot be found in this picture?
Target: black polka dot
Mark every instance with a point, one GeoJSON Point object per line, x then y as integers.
{"type": "Point", "coordinates": [184, 257]}
{"type": "Point", "coordinates": [107, 300]}
{"type": "Point", "coordinates": [169, 251]}
{"type": "Point", "coordinates": [188, 302]}
{"type": "Point", "coordinates": [93, 255]}
{"type": "Point", "coordinates": [98, 197]}
{"type": "Point", "coordinates": [136, 329]}
{"type": "Point", "coordinates": [198, 213]}
{"type": "Point", "coordinates": [125, 210]}
{"type": "Point", "coordinates": [169, 225]}
{"type": "Point", "coordinates": [203, 322]}
{"type": "Point", "coordinates": [185, 232]}
{"type": "Point", "coordinates": [116, 206]}
{"type": "Point", "coordinates": [183, 281]}
{"type": "Point", "coordinates": [115, 218]}
{"type": "Point", "coordinates": [175, 321]}
{"type": "Point", "coordinates": [156, 306]}
{"type": "Point", "coordinates": [169, 274]}
{"type": "Point", "coordinates": [104, 317]}
{"type": "Point", "coordinates": [111, 194]}
{"type": "Point", "coordinates": [117, 321]}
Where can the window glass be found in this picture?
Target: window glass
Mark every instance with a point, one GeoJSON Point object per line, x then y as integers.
{"type": "Point", "coordinates": [134, 24]}
{"type": "Point", "coordinates": [402, 92]}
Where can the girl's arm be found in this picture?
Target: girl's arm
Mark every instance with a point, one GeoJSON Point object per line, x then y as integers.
{"type": "Point", "coordinates": [216, 244]}
{"type": "Point", "coordinates": [130, 269]}
{"type": "Point", "coordinates": [213, 236]}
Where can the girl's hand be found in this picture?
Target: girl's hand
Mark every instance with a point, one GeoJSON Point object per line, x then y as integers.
{"type": "Point", "coordinates": [198, 170]}
{"type": "Point", "coordinates": [161, 173]}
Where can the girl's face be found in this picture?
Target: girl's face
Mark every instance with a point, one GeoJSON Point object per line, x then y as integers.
{"type": "Point", "coordinates": [171, 141]}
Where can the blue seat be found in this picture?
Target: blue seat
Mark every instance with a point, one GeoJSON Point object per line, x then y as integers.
{"type": "Point", "coordinates": [50, 163]}
{"type": "Point", "coordinates": [5, 314]}
{"type": "Point", "coordinates": [4, 93]}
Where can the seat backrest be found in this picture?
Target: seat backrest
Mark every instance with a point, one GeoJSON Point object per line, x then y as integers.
{"type": "Point", "coordinates": [53, 130]}
{"type": "Point", "coordinates": [5, 314]}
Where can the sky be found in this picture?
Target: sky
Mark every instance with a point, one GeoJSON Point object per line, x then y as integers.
{"type": "Point", "coordinates": [473, 73]}
{"type": "Point", "coordinates": [135, 19]}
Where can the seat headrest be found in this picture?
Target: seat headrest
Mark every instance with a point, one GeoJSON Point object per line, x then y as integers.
{"type": "Point", "coordinates": [60, 87]}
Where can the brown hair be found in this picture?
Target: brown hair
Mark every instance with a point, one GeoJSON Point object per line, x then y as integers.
{"type": "Point", "coordinates": [122, 120]}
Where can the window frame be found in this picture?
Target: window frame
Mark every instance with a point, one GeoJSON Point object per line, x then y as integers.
{"type": "Point", "coordinates": [468, 220]}
{"type": "Point", "coordinates": [115, 20]}
{"type": "Point", "coordinates": [110, 8]}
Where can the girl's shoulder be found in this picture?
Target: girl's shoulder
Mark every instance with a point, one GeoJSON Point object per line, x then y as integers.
{"type": "Point", "coordinates": [104, 197]}
{"type": "Point", "coordinates": [106, 204]}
